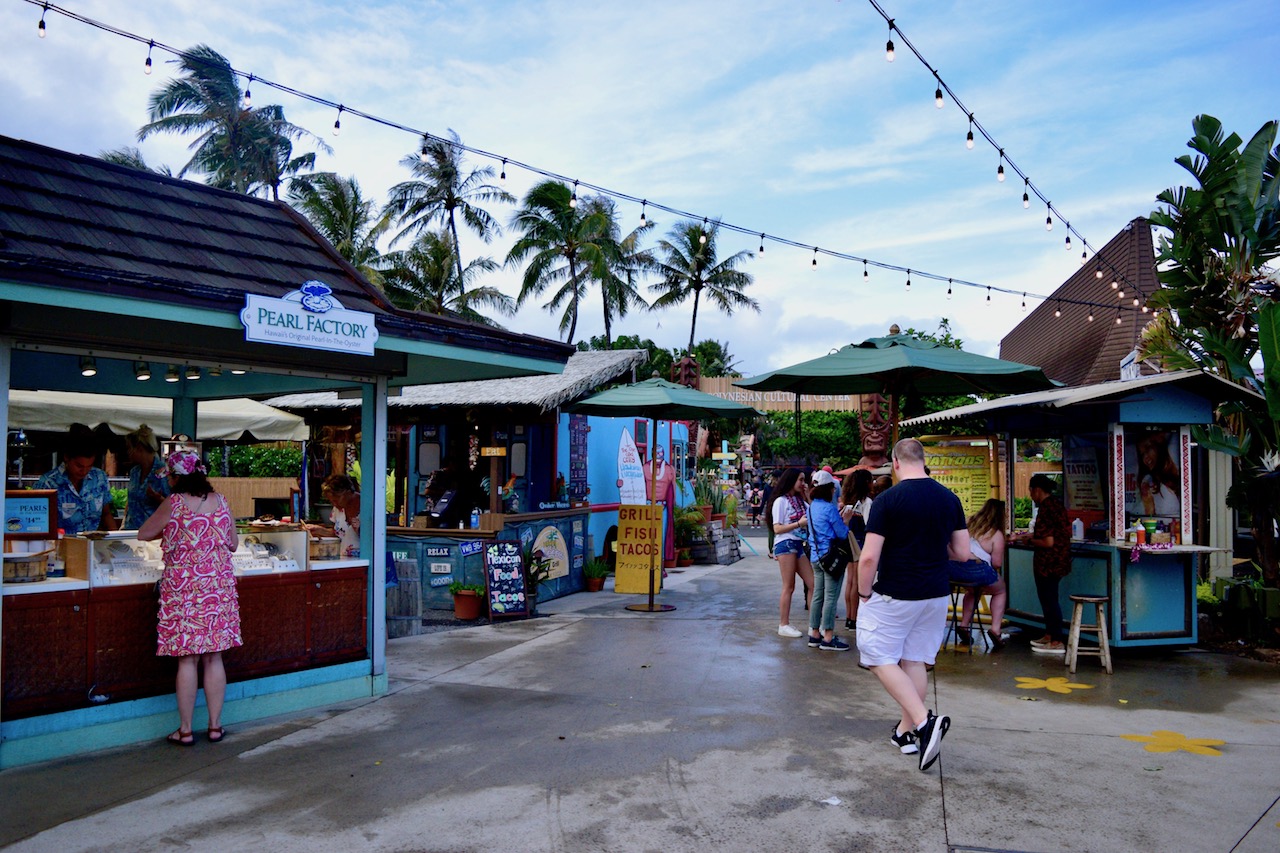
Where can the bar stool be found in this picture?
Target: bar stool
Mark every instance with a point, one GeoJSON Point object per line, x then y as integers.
{"type": "Point", "coordinates": [957, 610]}
{"type": "Point", "coordinates": [1103, 649]}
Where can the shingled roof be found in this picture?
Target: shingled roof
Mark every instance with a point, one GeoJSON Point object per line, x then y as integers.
{"type": "Point", "coordinates": [1071, 349]}
{"type": "Point", "coordinates": [71, 221]}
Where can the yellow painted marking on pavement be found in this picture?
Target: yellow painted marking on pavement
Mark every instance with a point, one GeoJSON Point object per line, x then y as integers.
{"type": "Point", "coordinates": [1057, 684]}
{"type": "Point", "coordinates": [1163, 740]}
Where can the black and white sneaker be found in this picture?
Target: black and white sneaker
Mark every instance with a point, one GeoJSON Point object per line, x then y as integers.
{"type": "Point", "coordinates": [905, 742]}
{"type": "Point", "coordinates": [814, 642]}
{"type": "Point", "coordinates": [930, 735]}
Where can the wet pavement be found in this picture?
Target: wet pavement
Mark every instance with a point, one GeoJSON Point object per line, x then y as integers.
{"type": "Point", "coordinates": [602, 729]}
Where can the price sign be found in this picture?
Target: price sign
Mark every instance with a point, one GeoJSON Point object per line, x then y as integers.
{"type": "Point", "coordinates": [493, 451]}
{"type": "Point", "coordinates": [31, 514]}
{"type": "Point", "coordinates": [504, 579]}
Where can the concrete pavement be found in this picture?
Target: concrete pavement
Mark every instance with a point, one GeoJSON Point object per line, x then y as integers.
{"type": "Point", "coordinates": [603, 729]}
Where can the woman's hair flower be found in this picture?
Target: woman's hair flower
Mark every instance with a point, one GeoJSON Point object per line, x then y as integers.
{"type": "Point", "coordinates": [184, 462]}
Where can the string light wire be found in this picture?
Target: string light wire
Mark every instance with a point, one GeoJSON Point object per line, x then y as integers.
{"type": "Point", "coordinates": [341, 108]}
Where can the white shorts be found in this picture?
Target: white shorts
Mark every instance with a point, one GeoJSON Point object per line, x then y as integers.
{"type": "Point", "coordinates": [893, 629]}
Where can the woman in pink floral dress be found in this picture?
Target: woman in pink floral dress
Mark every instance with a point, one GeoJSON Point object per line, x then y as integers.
{"type": "Point", "coordinates": [199, 609]}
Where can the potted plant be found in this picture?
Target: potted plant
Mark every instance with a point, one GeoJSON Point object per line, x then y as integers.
{"type": "Point", "coordinates": [537, 569]}
{"type": "Point", "coordinates": [596, 570]}
{"type": "Point", "coordinates": [467, 598]}
{"type": "Point", "coordinates": [704, 492]}
{"type": "Point", "coordinates": [689, 527]}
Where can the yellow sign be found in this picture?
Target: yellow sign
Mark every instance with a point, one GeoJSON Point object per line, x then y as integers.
{"type": "Point", "coordinates": [493, 451]}
{"type": "Point", "coordinates": [639, 548]}
{"type": "Point", "coordinates": [964, 469]}
{"type": "Point", "coordinates": [724, 456]}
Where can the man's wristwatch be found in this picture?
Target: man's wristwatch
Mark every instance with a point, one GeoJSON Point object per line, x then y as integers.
{"type": "Point", "coordinates": [864, 597]}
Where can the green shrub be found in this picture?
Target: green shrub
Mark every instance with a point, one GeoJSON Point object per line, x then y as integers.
{"type": "Point", "coordinates": [120, 498]}
{"type": "Point", "coordinates": [256, 461]}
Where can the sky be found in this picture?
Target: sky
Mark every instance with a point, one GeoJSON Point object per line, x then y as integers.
{"type": "Point", "coordinates": [778, 116]}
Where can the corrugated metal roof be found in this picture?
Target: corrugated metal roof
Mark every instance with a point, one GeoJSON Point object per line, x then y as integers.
{"type": "Point", "coordinates": [583, 372]}
{"type": "Point", "coordinates": [1206, 384]}
{"type": "Point", "coordinates": [1071, 349]}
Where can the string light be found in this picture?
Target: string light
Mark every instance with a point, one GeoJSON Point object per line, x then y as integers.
{"type": "Point", "coordinates": [644, 220]}
{"type": "Point", "coordinates": [968, 140]}
{"type": "Point", "coordinates": [866, 276]}
{"type": "Point", "coordinates": [1024, 302]}
{"type": "Point", "coordinates": [1000, 169]}
{"type": "Point", "coordinates": [502, 176]}
{"type": "Point", "coordinates": [1098, 272]}
{"type": "Point", "coordinates": [573, 199]}
{"type": "Point", "coordinates": [1084, 257]}
{"type": "Point", "coordinates": [40, 31]}
{"type": "Point", "coordinates": [1118, 320]}
{"type": "Point", "coordinates": [988, 294]}
{"type": "Point", "coordinates": [1026, 199]}
{"type": "Point", "coordinates": [1057, 311]}
{"type": "Point", "coordinates": [1120, 293]}
{"type": "Point", "coordinates": [1145, 307]}
{"type": "Point", "coordinates": [1048, 220]}
{"type": "Point", "coordinates": [908, 281]}
{"type": "Point", "coordinates": [888, 46]}
{"type": "Point", "coordinates": [762, 244]}
{"type": "Point", "coordinates": [146, 68]}
{"type": "Point", "coordinates": [948, 289]}
{"type": "Point", "coordinates": [1136, 301]}
{"type": "Point", "coordinates": [815, 257]}
{"type": "Point", "coordinates": [1068, 240]}
{"type": "Point", "coordinates": [940, 88]}
{"type": "Point", "coordinates": [424, 152]}
{"type": "Point", "coordinates": [248, 96]}
{"type": "Point", "coordinates": [937, 98]}
{"type": "Point", "coordinates": [1090, 315]}
{"type": "Point", "coordinates": [1114, 284]}
{"type": "Point", "coordinates": [702, 237]}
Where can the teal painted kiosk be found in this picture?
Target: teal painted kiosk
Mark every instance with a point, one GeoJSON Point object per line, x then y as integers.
{"type": "Point", "coordinates": [117, 281]}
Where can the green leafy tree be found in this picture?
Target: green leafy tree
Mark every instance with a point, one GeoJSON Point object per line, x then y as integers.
{"type": "Point", "coordinates": [127, 155]}
{"type": "Point", "coordinates": [621, 265]}
{"type": "Point", "coordinates": [690, 269]}
{"type": "Point", "coordinates": [424, 277]}
{"type": "Point", "coordinates": [1219, 306]}
{"type": "Point", "coordinates": [659, 360]}
{"type": "Point", "coordinates": [564, 243]}
{"type": "Point", "coordinates": [442, 191]}
{"type": "Point", "coordinates": [339, 211]}
{"type": "Point", "coordinates": [827, 438]}
{"type": "Point", "coordinates": [242, 149]}
{"type": "Point", "coordinates": [714, 359]}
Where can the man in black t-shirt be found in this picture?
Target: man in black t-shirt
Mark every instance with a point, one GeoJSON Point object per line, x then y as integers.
{"type": "Point", "coordinates": [914, 529]}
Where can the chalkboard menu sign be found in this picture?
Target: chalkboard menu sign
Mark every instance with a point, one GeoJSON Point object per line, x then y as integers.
{"type": "Point", "coordinates": [578, 430]}
{"type": "Point", "coordinates": [504, 578]}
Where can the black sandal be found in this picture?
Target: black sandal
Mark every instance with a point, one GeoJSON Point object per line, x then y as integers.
{"type": "Point", "coordinates": [216, 734]}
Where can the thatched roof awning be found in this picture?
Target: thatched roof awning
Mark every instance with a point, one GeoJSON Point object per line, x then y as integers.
{"type": "Point", "coordinates": [583, 372]}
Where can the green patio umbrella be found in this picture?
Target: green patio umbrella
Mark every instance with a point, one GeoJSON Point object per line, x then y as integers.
{"type": "Point", "coordinates": [658, 399]}
{"type": "Point", "coordinates": [896, 364]}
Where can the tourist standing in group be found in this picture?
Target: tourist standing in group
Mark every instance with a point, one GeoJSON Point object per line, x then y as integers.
{"type": "Point", "coordinates": [1051, 539]}
{"type": "Point", "coordinates": [757, 504]}
{"type": "Point", "coordinates": [904, 587]}
{"type": "Point", "coordinates": [790, 544]}
{"type": "Point", "coordinates": [855, 492]}
{"type": "Point", "coordinates": [199, 616]}
{"type": "Point", "coordinates": [830, 529]}
{"type": "Point", "coordinates": [980, 574]}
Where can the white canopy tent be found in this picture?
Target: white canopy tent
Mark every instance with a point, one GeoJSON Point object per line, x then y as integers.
{"type": "Point", "coordinates": [225, 420]}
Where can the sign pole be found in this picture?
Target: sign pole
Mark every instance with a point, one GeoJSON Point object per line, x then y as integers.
{"type": "Point", "coordinates": [651, 607]}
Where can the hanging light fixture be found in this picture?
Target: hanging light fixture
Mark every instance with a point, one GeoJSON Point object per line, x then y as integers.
{"type": "Point", "coordinates": [502, 176]}
{"type": "Point", "coordinates": [1083, 258]}
{"type": "Point", "coordinates": [248, 96]}
{"type": "Point", "coordinates": [866, 276]}
{"type": "Point", "coordinates": [1090, 315]}
{"type": "Point", "coordinates": [215, 372]}
{"type": "Point", "coordinates": [948, 288]}
{"type": "Point", "coordinates": [1026, 197]}
{"type": "Point", "coordinates": [815, 258]}
{"type": "Point", "coordinates": [1024, 302]}
{"type": "Point", "coordinates": [988, 294]}
{"type": "Point", "coordinates": [573, 199]}
{"type": "Point", "coordinates": [337, 122]}
{"type": "Point", "coordinates": [762, 244]}
{"type": "Point", "coordinates": [142, 371]}
{"type": "Point", "coordinates": [424, 153]}
{"type": "Point", "coordinates": [146, 68]}
{"type": "Point", "coordinates": [1057, 310]}
{"type": "Point", "coordinates": [908, 281]}
{"type": "Point", "coordinates": [1114, 283]}
{"type": "Point", "coordinates": [1136, 302]}
{"type": "Point", "coordinates": [1000, 168]}
{"type": "Point", "coordinates": [702, 236]}
{"type": "Point", "coordinates": [644, 220]}
{"type": "Point", "coordinates": [192, 372]}
{"type": "Point", "coordinates": [1120, 293]}
{"type": "Point", "coordinates": [1048, 219]}
{"type": "Point", "coordinates": [171, 375]}
{"type": "Point", "coordinates": [40, 31]}
{"type": "Point", "coordinates": [1098, 272]}
{"type": "Point", "coordinates": [888, 46]}
{"type": "Point", "coordinates": [238, 371]}
{"type": "Point", "coordinates": [937, 95]}
{"type": "Point", "coordinates": [88, 366]}
{"type": "Point", "coordinates": [968, 139]}
{"type": "Point", "coordinates": [1118, 320]}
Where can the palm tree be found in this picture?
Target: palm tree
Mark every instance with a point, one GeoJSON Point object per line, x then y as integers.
{"type": "Point", "coordinates": [241, 149]}
{"type": "Point", "coordinates": [336, 208]}
{"type": "Point", "coordinates": [439, 192]}
{"type": "Point", "coordinates": [127, 155]}
{"type": "Point", "coordinates": [689, 268]}
{"type": "Point", "coordinates": [623, 263]}
{"type": "Point", "coordinates": [424, 277]}
{"type": "Point", "coordinates": [562, 241]}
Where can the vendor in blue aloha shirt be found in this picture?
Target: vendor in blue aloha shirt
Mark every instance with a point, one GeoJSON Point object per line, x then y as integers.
{"type": "Point", "coordinates": [148, 478]}
{"type": "Point", "coordinates": [84, 498]}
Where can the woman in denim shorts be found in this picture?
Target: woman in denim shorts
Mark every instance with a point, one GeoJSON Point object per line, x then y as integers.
{"type": "Point", "coordinates": [790, 544]}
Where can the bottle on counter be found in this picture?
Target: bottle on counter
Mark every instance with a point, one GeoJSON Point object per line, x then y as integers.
{"type": "Point", "coordinates": [1175, 531]}
{"type": "Point", "coordinates": [55, 566]}
{"type": "Point", "coordinates": [1077, 529]}
{"type": "Point", "coordinates": [475, 519]}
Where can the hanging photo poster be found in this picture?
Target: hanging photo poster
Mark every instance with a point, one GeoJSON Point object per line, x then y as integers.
{"type": "Point", "coordinates": [1083, 476]}
{"type": "Point", "coordinates": [504, 579]}
{"type": "Point", "coordinates": [578, 430]}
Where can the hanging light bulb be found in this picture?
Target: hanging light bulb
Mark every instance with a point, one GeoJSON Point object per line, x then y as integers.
{"type": "Point", "coordinates": [644, 220]}
{"type": "Point", "coordinates": [702, 237]}
{"type": "Point", "coordinates": [1098, 272]}
{"type": "Point", "coordinates": [1068, 242]}
{"type": "Point", "coordinates": [1120, 293]}
{"type": "Point", "coordinates": [502, 176]}
{"type": "Point", "coordinates": [1026, 198]}
{"type": "Point", "coordinates": [215, 372]}
{"type": "Point", "coordinates": [88, 366]}
{"type": "Point", "coordinates": [908, 281]}
{"type": "Point", "coordinates": [193, 372]}
{"type": "Point", "coordinates": [937, 98]}
{"type": "Point", "coordinates": [1048, 219]}
{"type": "Point", "coordinates": [40, 31]}
{"type": "Point", "coordinates": [866, 276]}
{"type": "Point", "coordinates": [1090, 315]}
{"type": "Point", "coordinates": [1118, 320]}
{"type": "Point", "coordinates": [1057, 311]}
{"type": "Point", "coordinates": [762, 244]}
{"type": "Point", "coordinates": [968, 139]}
{"type": "Point", "coordinates": [424, 152]}
{"type": "Point", "coordinates": [337, 122]}
{"type": "Point", "coordinates": [815, 258]}
{"type": "Point", "coordinates": [948, 288]}
{"type": "Point", "coordinates": [1145, 308]}
{"type": "Point", "coordinates": [248, 96]}
{"type": "Point", "coordinates": [146, 68]}
{"type": "Point", "coordinates": [1114, 284]}
{"type": "Point", "coordinates": [888, 46]}
{"type": "Point", "coordinates": [141, 371]}
{"type": "Point", "coordinates": [1024, 302]}
{"type": "Point", "coordinates": [238, 371]}
{"type": "Point", "coordinates": [1083, 258]}
{"type": "Point", "coordinates": [1000, 173]}
{"type": "Point", "coordinates": [1136, 302]}
{"type": "Point", "coordinates": [171, 375]}
{"type": "Point", "coordinates": [573, 199]}
{"type": "Point", "coordinates": [988, 294]}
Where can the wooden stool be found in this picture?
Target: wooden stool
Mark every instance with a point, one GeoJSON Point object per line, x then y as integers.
{"type": "Point", "coordinates": [957, 607]}
{"type": "Point", "coordinates": [1103, 649]}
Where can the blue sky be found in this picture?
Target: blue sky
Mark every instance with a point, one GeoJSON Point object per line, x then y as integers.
{"type": "Point", "coordinates": [781, 117]}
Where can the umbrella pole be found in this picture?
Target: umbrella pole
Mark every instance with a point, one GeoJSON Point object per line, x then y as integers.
{"type": "Point", "coordinates": [653, 499]}
{"type": "Point", "coordinates": [893, 419]}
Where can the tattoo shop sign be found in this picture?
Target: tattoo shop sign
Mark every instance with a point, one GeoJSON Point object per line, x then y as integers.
{"type": "Point", "coordinates": [309, 317]}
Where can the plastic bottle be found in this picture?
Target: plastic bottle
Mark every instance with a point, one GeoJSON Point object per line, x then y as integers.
{"type": "Point", "coordinates": [56, 567]}
{"type": "Point", "coordinates": [475, 519]}
{"type": "Point", "coordinates": [1077, 529]}
{"type": "Point", "coordinates": [1175, 529]}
